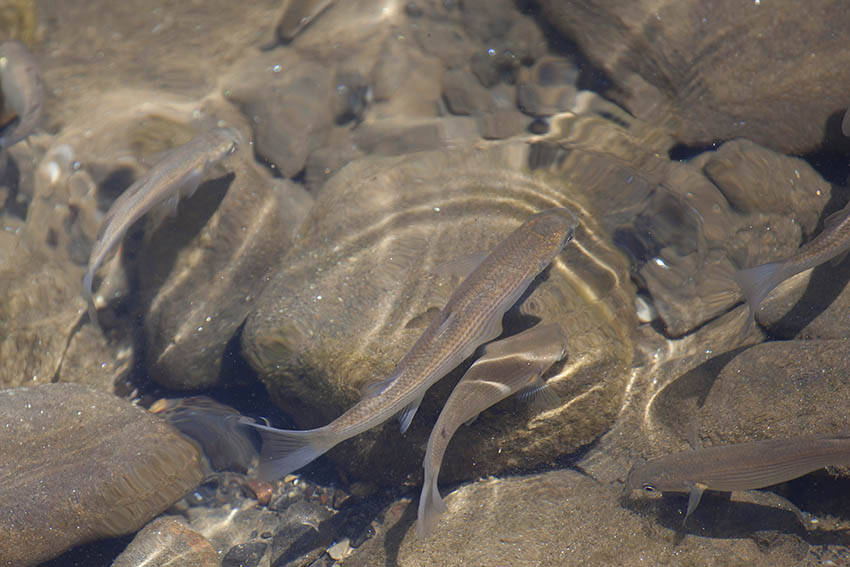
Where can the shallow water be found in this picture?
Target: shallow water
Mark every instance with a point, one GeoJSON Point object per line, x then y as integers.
{"type": "Point", "coordinates": [386, 144]}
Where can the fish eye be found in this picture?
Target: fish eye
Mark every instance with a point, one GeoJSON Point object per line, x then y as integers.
{"type": "Point", "coordinates": [648, 488]}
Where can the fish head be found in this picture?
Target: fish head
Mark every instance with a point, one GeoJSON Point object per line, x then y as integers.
{"type": "Point", "coordinates": [555, 226]}
{"type": "Point", "coordinates": [226, 141]}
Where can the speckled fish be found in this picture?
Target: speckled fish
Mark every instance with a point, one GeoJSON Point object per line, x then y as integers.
{"type": "Point", "coordinates": [472, 316]}
{"type": "Point", "coordinates": [178, 174]}
{"type": "Point", "coordinates": [23, 92]}
{"type": "Point", "coordinates": [832, 242]}
{"type": "Point", "coordinates": [508, 366]}
{"type": "Point", "coordinates": [742, 466]}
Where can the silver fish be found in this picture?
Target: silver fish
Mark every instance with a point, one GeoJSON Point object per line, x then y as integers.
{"type": "Point", "coordinates": [741, 466]}
{"type": "Point", "coordinates": [472, 316]}
{"type": "Point", "coordinates": [832, 242]}
{"type": "Point", "coordinates": [23, 91]}
{"type": "Point", "coordinates": [508, 366]}
{"type": "Point", "coordinates": [178, 174]}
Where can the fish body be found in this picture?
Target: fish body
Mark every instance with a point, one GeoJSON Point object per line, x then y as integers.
{"type": "Point", "coordinates": [23, 90]}
{"type": "Point", "coordinates": [471, 317]}
{"type": "Point", "coordinates": [832, 242]}
{"type": "Point", "coordinates": [507, 366]}
{"type": "Point", "coordinates": [178, 174]}
{"type": "Point", "coordinates": [741, 466]}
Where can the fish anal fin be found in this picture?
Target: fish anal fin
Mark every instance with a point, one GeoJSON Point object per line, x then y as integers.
{"type": "Point", "coordinates": [405, 416]}
{"type": "Point", "coordinates": [693, 499]}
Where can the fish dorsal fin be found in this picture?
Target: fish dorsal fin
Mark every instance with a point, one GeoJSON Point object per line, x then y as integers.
{"type": "Point", "coordinates": [693, 433]}
{"type": "Point", "coordinates": [693, 499]}
{"type": "Point", "coordinates": [462, 266]}
{"type": "Point", "coordinates": [845, 123]}
{"type": "Point", "coordinates": [406, 415]}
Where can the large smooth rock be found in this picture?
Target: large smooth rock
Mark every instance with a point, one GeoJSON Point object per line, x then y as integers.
{"type": "Point", "coordinates": [772, 72]}
{"type": "Point", "coordinates": [359, 287]}
{"type": "Point", "coordinates": [202, 271]}
{"type": "Point", "coordinates": [568, 519]}
{"type": "Point", "coordinates": [80, 465]}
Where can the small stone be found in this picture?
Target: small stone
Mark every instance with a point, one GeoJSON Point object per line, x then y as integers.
{"type": "Point", "coordinates": [245, 555]}
{"type": "Point", "coordinates": [340, 550]}
{"type": "Point", "coordinates": [464, 95]}
{"type": "Point", "coordinates": [166, 542]}
{"type": "Point", "coordinates": [501, 124]}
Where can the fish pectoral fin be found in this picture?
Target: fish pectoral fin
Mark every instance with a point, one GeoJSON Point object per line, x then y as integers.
{"type": "Point", "coordinates": [405, 416]}
{"type": "Point", "coordinates": [471, 420]}
{"type": "Point", "coordinates": [693, 499]}
{"type": "Point", "coordinates": [540, 395]}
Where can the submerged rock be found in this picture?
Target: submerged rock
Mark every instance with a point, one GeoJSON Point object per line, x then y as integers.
{"type": "Point", "coordinates": [202, 270]}
{"type": "Point", "coordinates": [87, 465]}
{"type": "Point", "coordinates": [360, 286]}
{"type": "Point", "coordinates": [566, 518]}
{"type": "Point", "coordinates": [165, 542]}
{"type": "Point", "coordinates": [752, 70]}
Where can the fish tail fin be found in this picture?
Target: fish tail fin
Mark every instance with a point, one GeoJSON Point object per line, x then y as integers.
{"type": "Point", "coordinates": [431, 505]}
{"type": "Point", "coordinates": [285, 451]}
{"type": "Point", "coordinates": [87, 284]}
{"type": "Point", "coordinates": [757, 282]}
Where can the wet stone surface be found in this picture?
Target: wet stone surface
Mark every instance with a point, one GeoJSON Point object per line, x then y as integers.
{"type": "Point", "coordinates": [727, 84]}
{"type": "Point", "coordinates": [53, 496]}
{"type": "Point", "coordinates": [382, 110]}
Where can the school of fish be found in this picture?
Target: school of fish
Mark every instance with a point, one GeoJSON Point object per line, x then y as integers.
{"type": "Point", "coordinates": [472, 317]}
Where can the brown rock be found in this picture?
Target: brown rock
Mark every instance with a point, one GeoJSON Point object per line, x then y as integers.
{"type": "Point", "coordinates": [288, 100]}
{"type": "Point", "coordinates": [202, 270]}
{"type": "Point", "coordinates": [358, 288]}
{"type": "Point", "coordinates": [87, 465]}
{"type": "Point", "coordinates": [748, 70]}
{"type": "Point", "coordinates": [565, 518]}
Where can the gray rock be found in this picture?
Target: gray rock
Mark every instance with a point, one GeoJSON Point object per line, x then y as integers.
{"type": "Point", "coordinates": [464, 95]}
{"type": "Point", "coordinates": [501, 124]}
{"type": "Point", "coordinates": [757, 180]}
{"type": "Point", "coordinates": [712, 75]}
{"type": "Point", "coordinates": [165, 542]}
{"type": "Point", "coordinates": [87, 465]}
{"type": "Point", "coordinates": [547, 88]}
{"type": "Point", "coordinates": [772, 390]}
{"type": "Point", "coordinates": [202, 270]}
{"type": "Point", "coordinates": [396, 137]}
{"type": "Point", "coordinates": [565, 518]}
{"type": "Point", "coordinates": [391, 69]}
{"type": "Point", "coordinates": [288, 100]}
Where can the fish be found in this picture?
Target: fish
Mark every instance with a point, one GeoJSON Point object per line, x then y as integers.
{"type": "Point", "coordinates": [832, 242]}
{"type": "Point", "coordinates": [471, 317]}
{"type": "Point", "coordinates": [506, 367]}
{"type": "Point", "coordinates": [214, 427]}
{"type": "Point", "coordinates": [23, 90]}
{"type": "Point", "coordinates": [178, 174]}
{"type": "Point", "coordinates": [740, 466]}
